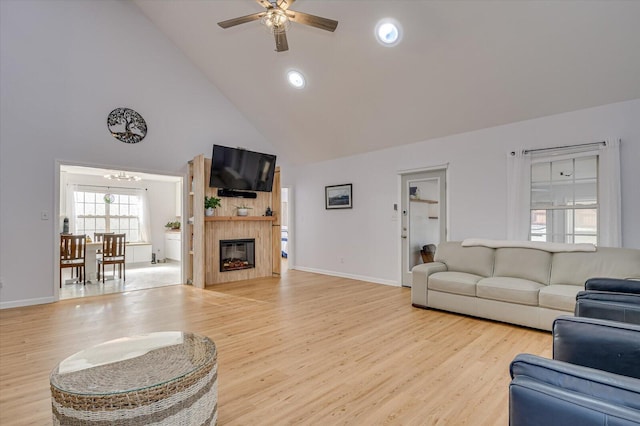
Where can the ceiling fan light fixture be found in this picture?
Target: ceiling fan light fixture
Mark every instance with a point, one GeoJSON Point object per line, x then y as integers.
{"type": "Point", "coordinates": [296, 79]}
{"type": "Point", "coordinates": [388, 32]}
{"type": "Point", "coordinates": [278, 17]}
{"type": "Point", "coordinates": [276, 21]}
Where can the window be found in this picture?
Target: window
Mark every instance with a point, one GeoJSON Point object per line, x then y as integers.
{"type": "Point", "coordinates": [568, 193]}
{"type": "Point", "coordinates": [108, 212]}
{"type": "Point", "coordinates": [564, 199]}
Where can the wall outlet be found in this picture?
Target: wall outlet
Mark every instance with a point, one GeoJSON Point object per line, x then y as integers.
{"type": "Point", "coordinates": [44, 215]}
{"type": "Point", "coordinates": [342, 260]}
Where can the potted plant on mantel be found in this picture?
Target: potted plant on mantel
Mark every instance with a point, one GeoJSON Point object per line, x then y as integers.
{"type": "Point", "coordinates": [210, 204]}
{"type": "Point", "coordinates": [243, 210]}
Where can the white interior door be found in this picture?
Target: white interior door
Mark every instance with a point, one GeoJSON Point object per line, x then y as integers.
{"type": "Point", "coordinates": [423, 216]}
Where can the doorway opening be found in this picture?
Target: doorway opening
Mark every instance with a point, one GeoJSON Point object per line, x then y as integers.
{"type": "Point", "coordinates": [423, 224]}
{"type": "Point", "coordinates": [146, 207]}
{"type": "Point", "coordinates": [285, 229]}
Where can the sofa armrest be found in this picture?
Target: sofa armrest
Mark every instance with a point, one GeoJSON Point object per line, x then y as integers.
{"type": "Point", "coordinates": [551, 392]}
{"type": "Point", "coordinates": [623, 307]}
{"type": "Point", "coordinates": [427, 269]}
{"type": "Point", "coordinates": [420, 277]}
{"type": "Point", "coordinates": [604, 345]}
{"type": "Point", "coordinates": [613, 285]}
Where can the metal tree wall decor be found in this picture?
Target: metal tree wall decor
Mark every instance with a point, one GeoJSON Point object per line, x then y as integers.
{"type": "Point", "coordinates": [126, 125]}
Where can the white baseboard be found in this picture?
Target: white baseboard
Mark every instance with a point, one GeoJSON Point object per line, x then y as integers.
{"type": "Point", "coordinates": [350, 276]}
{"type": "Point", "coordinates": [27, 302]}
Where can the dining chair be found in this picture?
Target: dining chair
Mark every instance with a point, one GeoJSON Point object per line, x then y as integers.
{"type": "Point", "coordinates": [113, 253]}
{"type": "Point", "coordinates": [98, 237]}
{"type": "Point", "coordinates": [72, 255]}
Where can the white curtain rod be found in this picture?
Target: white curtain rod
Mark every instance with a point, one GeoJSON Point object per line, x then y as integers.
{"type": "Point", "coordinates": [527, 151]}
{"type": "Point", "coordinates": [108, 187]}
{"type": "Point", "coordinates": [582, 145]}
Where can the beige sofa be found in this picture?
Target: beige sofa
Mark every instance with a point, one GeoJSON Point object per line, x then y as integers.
{"type": "Point", "coordinates": [528, 284]}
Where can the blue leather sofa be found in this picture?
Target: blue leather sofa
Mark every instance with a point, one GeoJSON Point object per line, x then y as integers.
{"type": "Point", "coordinates": [610, 298]}
{"type": "Point", "coordinates": [594, 378]}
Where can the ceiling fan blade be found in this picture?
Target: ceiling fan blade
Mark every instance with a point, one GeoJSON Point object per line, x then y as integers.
{"type": "Point", "coordinates": [314, 21]}
{"type": "Point", "coordinates": [281, 41]}
{"type": "Point", "coordinates": [285, 4]}
{"type": "Point", "coordinates": [265, 3]}
{"type": "Point", "coordinates": [241, 20]}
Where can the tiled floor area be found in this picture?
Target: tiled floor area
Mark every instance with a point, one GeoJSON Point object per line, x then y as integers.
{"type": "Point", "coordinates": [138, 278]}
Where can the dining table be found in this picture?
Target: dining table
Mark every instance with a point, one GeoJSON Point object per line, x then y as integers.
{"type": "Point", "coordinates": [90, 260]}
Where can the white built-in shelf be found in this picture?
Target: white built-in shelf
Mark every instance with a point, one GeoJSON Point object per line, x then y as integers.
{"type": "Point", "coordinates": [420, 200]}
{"type": "Point", "coordinates": [433, 209]}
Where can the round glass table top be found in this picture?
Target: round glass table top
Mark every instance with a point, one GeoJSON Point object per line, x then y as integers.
{"type": "Point", "coordinates": [133, 363]}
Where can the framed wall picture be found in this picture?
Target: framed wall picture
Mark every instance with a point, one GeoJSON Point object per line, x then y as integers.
{"type": "Point", "coordinates": [338, 196]}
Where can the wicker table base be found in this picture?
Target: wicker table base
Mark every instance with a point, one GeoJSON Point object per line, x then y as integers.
{"type": "Point", "coordinates": [167, 378]}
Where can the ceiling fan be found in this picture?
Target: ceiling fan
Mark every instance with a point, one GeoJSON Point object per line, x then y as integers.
{"type": "Point", "coordinates": [277, 19]}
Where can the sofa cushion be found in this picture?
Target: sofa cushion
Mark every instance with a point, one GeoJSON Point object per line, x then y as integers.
{"type": "Point", "coordinates": [528, 264]}
{"type": "Point", "coordinates": [507, 289]}
{"type": "Point", "coordinates": [576, 268]}
{"type": "Point", "coordinates": [454, 282]}
{"type": "Point", "coordinates": [472, 260]}
{"type": "Point", "coordinates": [559, 296]}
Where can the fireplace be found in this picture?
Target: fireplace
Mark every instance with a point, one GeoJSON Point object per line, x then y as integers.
{"type": "Point", "coordinates": [237, 254]}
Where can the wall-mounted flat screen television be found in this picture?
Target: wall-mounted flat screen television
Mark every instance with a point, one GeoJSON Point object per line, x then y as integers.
{"type": "Point", "coordinates": [240, 169]}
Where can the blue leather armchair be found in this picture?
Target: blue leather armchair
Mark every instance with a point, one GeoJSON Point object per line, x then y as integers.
{"type": "Point", "coordinates": [610, 298]}
{"type": "Point", "coordinates": [594, 378]}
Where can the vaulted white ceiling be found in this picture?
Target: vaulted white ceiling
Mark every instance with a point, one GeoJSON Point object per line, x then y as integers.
{"type": "Point", "coordinates": [461, 66]}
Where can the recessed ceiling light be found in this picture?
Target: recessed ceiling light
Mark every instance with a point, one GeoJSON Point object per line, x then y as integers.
{"type": "Point", "coordinates": [388, 32]}
{"type": "Point", "coordinates": [296, 79]}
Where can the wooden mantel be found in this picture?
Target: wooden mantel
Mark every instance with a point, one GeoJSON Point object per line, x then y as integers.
{"type": "Point", "coordinates": [241, 218]}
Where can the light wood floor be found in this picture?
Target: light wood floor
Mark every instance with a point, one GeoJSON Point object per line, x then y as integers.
{"type": "Point", "coordinates": [305, 349]}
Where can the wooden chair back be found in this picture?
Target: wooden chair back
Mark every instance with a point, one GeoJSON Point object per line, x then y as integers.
{"type": "Point", "coordinates": [73, 249]}
{"type": "Point", "coordinates": [113, 246]}
{"type": "Point", "coordinates": [99, 236]}
{"type": "Point", "coordinates": [113, 253]}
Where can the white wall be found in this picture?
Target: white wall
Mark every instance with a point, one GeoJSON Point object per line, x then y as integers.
{"type": "Point", "coordinates": [364, 242]}
{"type": "Point", "coordinates": [64, 65]}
